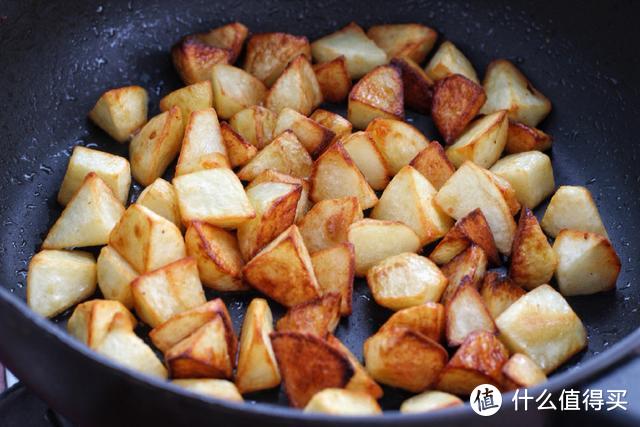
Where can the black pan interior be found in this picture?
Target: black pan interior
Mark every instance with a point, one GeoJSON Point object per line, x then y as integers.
{"type": "Point", "coordinates": [56, 58]}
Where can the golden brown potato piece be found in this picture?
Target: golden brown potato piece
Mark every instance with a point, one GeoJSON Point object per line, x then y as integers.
{"type": "Point", "coordinates": [255, 124]}
{"type": "Point", "coordinates": [121, 112]}
{"type": "Point", "coordinates": [234, 89]}
{"type": "Point", "coordinates": [431, 400]}
{"type": "Point", "coordinates": [448, 60]}
{"type": "Point", "coordinates": [542, 325]}
{"type": "Point", "coordinates": [91, 320]}
{"type": "Point", "coordinates": [230, 36]}
{"type": "Point", "coordinates": [193, 59]}
{"type": "Point", "coordinates": [499, 292]}
{"type": "Point", "coordinates": [378, 94]}
{"type": "Point", "coordinates": [573, 208]}
{"type": "Point", "coordinates": [319, 316]}
{"type": "Point", "coordinates": [479, 360]}
{"type": "Point", "coordinates": [338, 401]}
{"type": "Point", "coordinates": [271, 175]}
{"type": "Point", "coordinates": [482, 142]}
{"type": "Point", "coordinates": [239, 150]}
{"type": "Point", "coordinates": [296, 88]}
{"type": "Point", "coordinates": [522, 372]}
{"type": "Point", "coordinates": [456, 101]}
{"type": "Point", "coordinates": [427, 319]}
{"type": "Point", "coordinates": [202, 139]}
{"type": "Point", "coordinates": [323, 366]}
{"type": "Point", "coordinates": [466, 269]}
{"type": "Point", "coordinates": [403, 358]}
{"type": "Point", "coordinates": [216, 388]}
{"type": "Point", "coordinates": [413, 41]}
{"type": "Point", "coordinates": [327, 222]}
{"type": "Point", "coordinates": [311, 134]}
{"type": "Point", "coordinates": [523, 138]}
{"type": "Point", "coordinates": [530, 175]}
{"type": "Point", "coordinates": [269, 53]}
{"type": "Point", "coordinates": [466, 313]}
{"type": "Point", "coordinates": [195, 97]}
{"type": "Point", "coordinates": [397, 141]}
{"type": "Point", "coordinates": [417, 85]}
{"type": "Point", "coordinates": [340, 126]}
{"type": "Point", "coordinates": [115, 275]}
{"type": "Point", "coordinates": [361, 381]}
{"type": "Point", "coordinates": [368, 159]}
{"type": "Point", "coordinates": [335, 268]}
{"type": "Point", "coordinates": [334, 79]}
{"type": "Point", "coordinates": [283, 270]}
{"type": "Point", "coordinates": [161, 198]}
{"type": "Point", "coordinates": [433, 164]}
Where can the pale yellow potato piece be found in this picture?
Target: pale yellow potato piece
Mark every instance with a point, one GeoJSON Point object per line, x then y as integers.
{"type": "Point", "coordinates": [268, 54]}
{"type": "Point", "coordinates": [91, 320]}
{"type": "Point", "coordinates": [368, 159]}
{"type": "Point", "coordinates": [430, 400]}
{"type": "Point", "coordinates": [296, 88]}
{"type": "Point", "coordinates": [334, 268]}
{"type": "Point", "coordinates": [482, 142]}
{"type": "Point", "coordinates": [397, 141]}
{"type": "Point", "coordinates": [507, 191]}
{"type": "Point", "coordinates": [202, 139]}
{"type": "Point", "coordinates": [378, 94]}
{"type": "Point", "coordinates": [466, 313]}
{"type": "Point", "coordinates": [161, 198]}
{"type": "Point", "coordinates": [427, 318]}
{"type": "Point", "coordinates": [211, 387]}
{"type": "Point", "coordinates": [194, 97]}
{"type": "Point", "coordinates": [234, 89]}
{"type": "Point", "coordinates": [522, 372]}
{"type": "Point", "coordinates": [121, 112]}
{"type": "Point", "coordinates": [255, 124]}
{"type": "Point", "coordinates": [340, 126]}
{"type": "Point", "coordinates": [115, 275]}
{"type": "Point", "coordinates": [270, 175]}
{"type": "Point", "coordinates": [449, 60]}
{"type": "Point", "coordinates": [327, 222]}
{"type": "Point", "coordinates": [413, 41]}
{"type": "Point", "coordinates": [339, 401]}
{"type": "Point", "coordinates": [311, 134]}
{"type": "Point", "coordinates": [572, 207]}
{"type": "Point", "coordinates": [530, 174]}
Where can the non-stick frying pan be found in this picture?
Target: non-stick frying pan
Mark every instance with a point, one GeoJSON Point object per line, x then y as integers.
{"type": "Point", "coordinates": [56, 58]}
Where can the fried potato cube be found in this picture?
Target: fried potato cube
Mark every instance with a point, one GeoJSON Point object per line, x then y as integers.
{"type": "Point", "coordinates": [378, 94]}
{"type": "Point", "coordinates": [285, 154]}
{"type": "Point", "coordinates": [409, 198]}
{"type": "Point", "coordinates": [533, 261]}
{"type": "Point", "coordinates": [374, 240]}
{"type": "Point", "coordinates": [327, 222]}
{"type": "Point", "coordinates": [403, 358]}
{"type": "Point", "coordinates": [161, 198]}
{"type": "Point", "coordinates": [433, 163]}
{"type": "Point", "coordinates": [508, 89]}
{"type": "Point", "coordinates": [335, 175]}
{"type": "Point", "coordinates": [334, 79]}
{"type": "Point", "coordinates": [91, 320]}
{"type": "Point", "coordinates": [471, 229]}
{"type": "Point", "coordinates": [522, 372]}
{"type": "Point", "coordinates": [123, 346]}
{"type": "Point", "coordinates": [195, 97]}
{"type": "Point", "coordinates": [338, 401]}
{"type": "Point", "coordinates": [530, 174]}
{"type": "Point", "coordinates": [167, 291]}
{"type": "Point", "coordinates": [319, 316]}
{"type": "Point", "coordinates": [211, 387]}
{"type": "Point", "coordinates": [255, 124]}
{"type": "Point", "coordinates": [361, 381]}
{"type": "Point", "coordinates": [587, 263]}
{"type": "Point", "coordinates": [368, 159]}
{"type": "Point", "coordinates": [275, 205]}
{"type": "Point", "coordinates": [121, 112]}
{"type": "Point", "coordinates": [230, 36]}
{"type": "Point", "coordinates": [417, 85]}
{"type": "Point", "coordinates": [397, 141]}
{"type": "Point", "coordinates": [202, 140]}
{"type": "Point", "coordinates": [269, 53]}
{"type": "Point", "coordinates": [456, 101]}
{"type": "Point", "coordinates": [471, 188]}
{"type": "Point", "coordinates": [311, 134]}
{"type": "Point", "coordinates": [405, 280]}
{"type": "Point", "coordinates": [181, 325]}
{"type": "Point", "coordinates": [428, 401]}
{"type": "Point", "coordinates": [324, 366]}
{"type": "Point", "coordinates": [572, 207]}
{"type": "Point", "coordinates": [499, 292]}
{"type": "Point", "coordinates": [113, 170]}
{"type": "Point", "coordinates": [427, 319]}
{"type": "Point", "coordinates": [523, 138]}
{"type": "Point", "coordinates": [283, 271]}
{"type": "Point", "coordinates": [146, 240]}
{"type": "Point", "coordinates": [334, 268]}
{"type": "Point", "coordinates": [466, 269]}
{"type": "Point", "coordinates": [239, 150]}
{"type": "Point", "coordinates": [193, 58]}
{"type": "Point", "coordinates": [155, 146]}
{"type": "Point", "coordinates": [507, 191]}
{"type": "Point", "coordinates": [340, 126]}
{"type": "Point", "coordinates": [448, 60]}
{"type": "Point", "coordinates": [413, 41]}
{"type": "Point", "coordinates": [271, 175]}
{"type": "Point", "coordinates": [234, 89]}
{"type": "Point", "coordinates": [482, 142]}
{"type": "Point", "coordinates": [542, 325]}
{"type": "Point", "coordinates": [88, 218]}
{"type": "Point", "coordinates": [200, 198]}
{"type": "Point", "coordinates": [360, 52]}
{"type": "Point", "coordinates": [466, 313]}
{"type": "Point", "coordinates": [115, 275]}
{"type": "Point", "coordinates": [479, 360]}
{"type": "Point", "coordinates": [257, 366]}
{"type": "Point", "coordinates": [296, 88]}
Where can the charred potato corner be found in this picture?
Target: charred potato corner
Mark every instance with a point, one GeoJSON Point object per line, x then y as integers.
{"type": "Point", "coordinates": [248, 186]}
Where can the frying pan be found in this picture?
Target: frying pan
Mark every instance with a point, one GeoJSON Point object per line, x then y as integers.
{"type": "Point", "coordinates": [56, 58]}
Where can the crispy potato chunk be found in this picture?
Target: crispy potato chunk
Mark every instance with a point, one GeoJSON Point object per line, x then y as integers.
{"type": "Point", "coordinates": [378, 94]}
{"type": "Point", "coordinates": [482, 142]}
{"type": "Point", "coordinates": [115, 275]}
{"type": "Point", "coordinates": [193, 58]}
{"type": "Point", "coordinates": [433, 164]}
{"type": "Point", "coordinates": [202, 139]}
{"type": "Point", "coordinates": [542, 325]}
{"type": "Point", "coordinates": [466, 269]}
{"type": "Point", "coordinates": [323, 367]}
{"type": "Point", "coordinates": [417, 85]}
{"type": "Point", "coordinates": [211, 387]}
{"type": "Point", "coordinates": [338, 401]}
{"type": "Point", "coordinates": [508, 89]}
{"type": "Point", "coordinates": [334, 79]}
{"type": "Point", "coordinates": [319, 316]}
{"type": "Point", "coordinates": [530, 174]}
{"type": "Point", "coordinates": [360, 52]}
{"type": "Point", "coordinates": [448, 60]}
{"type": "Point", "coordinates": [91, 320]}
{"type": "Point", "coordinates": [413, 41]}
{"type": "Point", "coordinates": [334, 268]}
{"type": "Point", "coordinates": [368, 159]}
{"type": "Point", "coordinates": [587, 263]}
{"type": "Point", "coordinates": [340, 126]}
{"type": "Point", "coordinates": [283, 271]}
{"type": "Point", "coordinates": [499, 292]}
{"type": "Point", "coordinates": [335, 175]}
{"type": "Point", "coordinates": [234, 89]}
{"type": "Point", "coordinates": [311, 134]}
{"type": "Point", "coordinates": [522, 372]}
{"type": "Point", "coordinates": [146, 240]}
{"type": "Point", "coordinates": [479, 360]}
{"type": "Point", "coordinates": [327, 222]}
{"type": "Point", "coordinates": [361, 381]}
{"type": "Point", "coordinates": [409, 198]}
{"type": "Point", "coordinates": [523, 138]}
{"type": "Point", "coordinates": [155, 146]}
{"type": "Point", "coordinates": [466, 313]}
{"type": "Point", "coordinates": [230, 36]}
{"type": "Point", "coordinates": [113, 170]}
{"type": "Point", "coordinates": [507, 191]}
{"type": "Point", "coordinates": [161, 198]}
{"type": "Point", "coordinates": [405, 280]}
{"type": "Point", "coordinates": [397, 141]}
{"type": "Point", "coordinates": [403, 358]}
{"type": "Point", "coordinates": [167, 291]}
{"type": "Point", "coordinates": [271, 175]}
{"type": "Point", "coordinates": [456, 101]}
{"type": "Point", "coordinates": [427, 319]}
{"type": "Point", "coordinates": [239, 150]}
{"type": "Point", "coordinates": [255, 124]}
{"type": "Point", "coordinates": [572, 207]}
{"type": "Point", "coordinates": [88, 218]}
{"type": "Point", "coordinates": [269, 53]}
{"type": "Point", "coordinates": [195, 97]}
{"type": "Point", "coordinates": [257, 366]}
{"type": "Point", "coordinates": [296, 88]}
{"type": "Point", "coordinates": [121, 112]}
{"type": "Point", "coordinates": [431, 400]}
